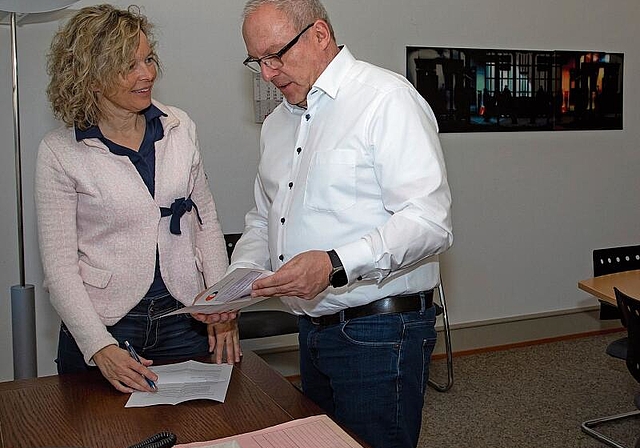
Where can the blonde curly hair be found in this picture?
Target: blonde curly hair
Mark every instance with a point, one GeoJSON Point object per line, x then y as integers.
{"type": "Point", "coordinates": [92, 51]}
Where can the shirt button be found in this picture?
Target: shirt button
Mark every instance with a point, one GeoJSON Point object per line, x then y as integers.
{"type": "Point", "coordinates": [307, 117]}
{"type": "Point", "coordinates": [281, 257]}
{"type": "Point", "coordinates": [298, 150]}
{"type": "Point", "coordinates": [290, 185]}
{"type": "Point", "coordinates": [282, 220]}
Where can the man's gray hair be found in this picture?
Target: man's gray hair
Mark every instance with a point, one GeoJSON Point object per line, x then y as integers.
{"type": "Point", "coordinates": [301, 12]}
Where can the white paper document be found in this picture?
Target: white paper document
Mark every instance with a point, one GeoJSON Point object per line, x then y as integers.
{"type": "Point", "coordinates": [189, 380]}
{"type": "Point", "coordinates": [231, 293]}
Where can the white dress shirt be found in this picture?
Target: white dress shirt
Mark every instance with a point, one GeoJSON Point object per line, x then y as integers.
{"type": "Point", "coordinates": [360, 171]}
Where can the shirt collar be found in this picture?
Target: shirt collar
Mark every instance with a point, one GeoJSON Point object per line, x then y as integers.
{"type": "Point", "coordinates": [150, 113]}
{"type": "Point", "coordinates": [331, 78]}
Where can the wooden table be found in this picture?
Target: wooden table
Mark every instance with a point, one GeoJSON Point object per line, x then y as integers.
{"type": "Point", "coordinates": [84, 410]}
{"type": "Point", "coordinates": [602, 286]}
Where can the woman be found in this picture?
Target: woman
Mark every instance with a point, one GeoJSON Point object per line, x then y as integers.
{"type": "Point", "coordinates": [127, 225]}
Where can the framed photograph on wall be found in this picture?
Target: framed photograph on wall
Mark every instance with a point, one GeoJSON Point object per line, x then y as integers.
{"type": "Point", "coordinates": [476, 90]}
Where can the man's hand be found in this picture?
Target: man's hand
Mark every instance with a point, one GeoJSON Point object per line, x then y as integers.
{"type": "Point", "coordinates": [305, 276]}
{"type": "Point", "coordinates": [122, 371]}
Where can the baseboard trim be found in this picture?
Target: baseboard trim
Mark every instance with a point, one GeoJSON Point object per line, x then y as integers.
{"type": "Point", "coordinates": [528, 343]}
{"type": "Point", "coordinates": [540, 328]}
{"type": "Point", "coordinates": [525, 317]}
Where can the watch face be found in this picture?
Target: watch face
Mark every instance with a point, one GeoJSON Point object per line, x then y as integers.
{"type": "Point", "coordinates": [338, 278]}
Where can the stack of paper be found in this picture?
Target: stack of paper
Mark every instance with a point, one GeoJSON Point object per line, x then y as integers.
{"type": "Point", "coordinates": [318, 431]}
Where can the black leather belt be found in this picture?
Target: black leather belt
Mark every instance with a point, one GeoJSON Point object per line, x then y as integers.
{"type": "Point", "coordinates": [394, 304]}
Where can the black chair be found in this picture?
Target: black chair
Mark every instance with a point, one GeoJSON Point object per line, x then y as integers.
{"type": "Point", "coordinates": [615, 259]}
{"type": "Point", "coordinates": [261, 323]}
{"type": "Point", "coordinates": [609, 261]}
{"type": "Point", "coordinates": [630, 309]}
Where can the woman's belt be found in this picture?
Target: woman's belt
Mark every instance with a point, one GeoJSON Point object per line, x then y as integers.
{"type": "Point", "coordinates": [179, 207]}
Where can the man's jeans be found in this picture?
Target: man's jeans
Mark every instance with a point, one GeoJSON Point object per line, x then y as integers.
{"type": "Point", "coordinates": [371, 373]}
{"type": "Point", "coordinates": [167, 338]}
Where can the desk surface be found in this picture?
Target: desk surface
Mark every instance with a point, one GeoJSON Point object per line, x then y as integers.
{"type": "Point", "coordinates": [602, 287]}
{"type": "Point", "coordinates": [84, 410]}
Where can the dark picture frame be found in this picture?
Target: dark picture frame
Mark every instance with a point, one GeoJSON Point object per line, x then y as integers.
{"type": "Point", "coordinates": [479, 90]}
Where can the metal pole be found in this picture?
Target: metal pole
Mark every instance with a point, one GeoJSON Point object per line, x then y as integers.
{"type": "Point", "coordinates": [16, 139]}
{"type": "Point", "coordinates": [23, 317]}
{"type": "Point", "coordinates": [23, 325]}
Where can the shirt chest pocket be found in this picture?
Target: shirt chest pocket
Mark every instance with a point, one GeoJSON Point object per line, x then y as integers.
{"type": "Point", "coordinates": [331, 184]}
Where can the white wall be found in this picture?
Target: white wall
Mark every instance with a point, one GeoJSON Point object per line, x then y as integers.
{"type": "Point", "coordinates": [528, 207]}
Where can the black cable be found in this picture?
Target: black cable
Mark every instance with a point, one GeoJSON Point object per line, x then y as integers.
{"type": "Point", "coordinates": [161, 440]}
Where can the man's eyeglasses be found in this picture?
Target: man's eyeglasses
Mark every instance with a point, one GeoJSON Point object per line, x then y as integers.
{"type": "Point", "coordinates": [273, 60]}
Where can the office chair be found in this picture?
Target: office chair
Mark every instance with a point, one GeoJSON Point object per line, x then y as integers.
{"type": "Point", "coordinates": [630, 309]}
{"type": "Point", "coordinates": [441, 310]}
{"type": "Point", "coordinates": [261, 323]}
{"type": "Point", "coordinates": [609, 261]}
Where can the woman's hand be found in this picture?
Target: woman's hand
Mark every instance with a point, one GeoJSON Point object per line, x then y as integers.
{"type": "Point", "coordinates": [223, 337]}
{"type": "Point", "coordinates": [122, 371]}
{"type": "Point", "coordinates": [215, 318]}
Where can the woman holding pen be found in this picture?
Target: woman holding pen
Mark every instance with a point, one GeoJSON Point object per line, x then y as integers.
{"type": "Point", "coordinates": [127, 225]}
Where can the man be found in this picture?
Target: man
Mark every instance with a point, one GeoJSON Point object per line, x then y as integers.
{"type": "Point", "coordinates": [352, 204]}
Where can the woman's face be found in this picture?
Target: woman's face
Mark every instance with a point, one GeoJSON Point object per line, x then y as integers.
{"type": "Point", "coordinates": [133, 91]}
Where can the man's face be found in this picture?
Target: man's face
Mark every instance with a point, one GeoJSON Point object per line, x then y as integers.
{"type": "Point", "coordinates": [267, 31]}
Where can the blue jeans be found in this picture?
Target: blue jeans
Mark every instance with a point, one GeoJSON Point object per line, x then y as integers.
{"type": "Point", "coordinates": [167, 338]}
{"type": "Point", "coordinates": [371, 373]}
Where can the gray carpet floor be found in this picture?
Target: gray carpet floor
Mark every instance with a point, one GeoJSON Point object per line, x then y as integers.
{"type": "Point", "coordinates": [535, 396]}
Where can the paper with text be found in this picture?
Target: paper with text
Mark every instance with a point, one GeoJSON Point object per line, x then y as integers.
{"type": "Point", "coordinates": [318, 431]}
{"type": "Point", "coordinates": [189, 380]}
{"type": "Point", "coordinates": [232, 293]}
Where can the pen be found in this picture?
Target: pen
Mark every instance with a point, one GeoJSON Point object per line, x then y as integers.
{"type": "Point", "coordinates": [135, 356]}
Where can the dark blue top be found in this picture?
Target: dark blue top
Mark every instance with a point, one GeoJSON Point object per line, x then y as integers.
{"type": "Point", "coordinates": [144, 160]}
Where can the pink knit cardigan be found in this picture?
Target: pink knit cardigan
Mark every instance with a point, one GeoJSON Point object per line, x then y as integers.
{"type": "Point", "coordinates": [99, 227]}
